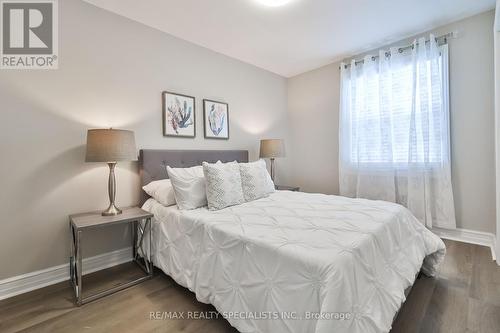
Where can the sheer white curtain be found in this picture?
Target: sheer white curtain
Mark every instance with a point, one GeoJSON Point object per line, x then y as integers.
{"type": "Point", "coordinates": [395, 131]}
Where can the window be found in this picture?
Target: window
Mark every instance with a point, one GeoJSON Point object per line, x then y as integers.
{"type": "Point", "coordinates": [395, 112]}
{"type": "Point", "coordinates": [395, 133]}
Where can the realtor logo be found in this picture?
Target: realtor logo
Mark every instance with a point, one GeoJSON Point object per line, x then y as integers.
{"type": "Point", "coordinates": [29, 34]}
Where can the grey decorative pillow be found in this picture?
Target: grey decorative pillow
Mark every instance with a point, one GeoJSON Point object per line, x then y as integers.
{"type": "Point", "coordinates": [223, 183]}
{"type": "Point", "coordinates": [255, 180]}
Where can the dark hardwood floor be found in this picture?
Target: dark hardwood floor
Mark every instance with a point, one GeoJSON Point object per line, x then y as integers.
{"type": "Point", "coordinates": [465, 297]}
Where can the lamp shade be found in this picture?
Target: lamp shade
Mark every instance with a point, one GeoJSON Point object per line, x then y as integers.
{"type": "Point", "coordinates": [272, 148]}
{"type": "Point", "coordinates": [110, 145]}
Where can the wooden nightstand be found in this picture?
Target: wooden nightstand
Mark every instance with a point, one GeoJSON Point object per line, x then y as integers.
{"type": "Point", "coordinates": [81, 222]}
{"type": "Point", "coordinates": [287, 188]}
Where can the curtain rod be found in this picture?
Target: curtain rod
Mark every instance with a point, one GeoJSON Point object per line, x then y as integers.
{"type": "Point", "coordinates": [441, 40]}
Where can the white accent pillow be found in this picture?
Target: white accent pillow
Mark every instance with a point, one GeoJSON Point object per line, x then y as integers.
{"type": "Point", "coordinates": [162, 191]}
{"type": "Point", "coordinates": [223, 183]}
{"type": "Point", "coordinates": [189, 187]}
{"type": "Point", "coordinates": [255, 180]}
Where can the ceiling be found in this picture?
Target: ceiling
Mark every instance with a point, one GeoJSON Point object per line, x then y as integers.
{"type": "Point", "coordinates": [298, 36]}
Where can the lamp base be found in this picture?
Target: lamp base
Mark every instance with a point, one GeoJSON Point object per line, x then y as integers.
{"type": "Point", "coordinates": [273, 171]}
{"type": "Point", "coordinates": [112, 210]}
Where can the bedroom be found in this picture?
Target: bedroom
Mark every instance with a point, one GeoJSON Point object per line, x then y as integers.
{"type": "Point", "coordinates": [280, 70]}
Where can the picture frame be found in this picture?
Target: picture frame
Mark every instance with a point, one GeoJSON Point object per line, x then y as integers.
{"type": "Point", "coordinates": [179, 115]}
{"type": "Point", "coordinates": [215, 119]}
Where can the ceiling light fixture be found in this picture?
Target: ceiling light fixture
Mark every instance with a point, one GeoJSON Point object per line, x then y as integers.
{"type": "Point", "coordinates": [273, 3]}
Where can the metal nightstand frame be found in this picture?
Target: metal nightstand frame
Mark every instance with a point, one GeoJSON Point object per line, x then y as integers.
{"type": "Point", "coordinates": [138, 254]}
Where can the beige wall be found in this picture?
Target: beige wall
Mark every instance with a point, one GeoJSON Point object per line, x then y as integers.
{"type": "Point", "coordinates": [112, 71]}
{"type": "Point", "coordinates": [313, 102]}
{"type": "Point", "coordinates": [313, 105]}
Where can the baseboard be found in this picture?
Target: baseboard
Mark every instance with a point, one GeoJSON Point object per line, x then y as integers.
{"type": "Point", "coordinates": [27, 282]}
{"type": "Point", "coordinates": [471, 237]}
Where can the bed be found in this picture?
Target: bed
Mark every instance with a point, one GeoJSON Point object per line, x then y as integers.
{"type": "Point", "coordinates": [291, 262]}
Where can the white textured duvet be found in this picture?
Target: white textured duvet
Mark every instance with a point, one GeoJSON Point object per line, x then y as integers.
{"type": "Point", "coordinates": [297, 262]}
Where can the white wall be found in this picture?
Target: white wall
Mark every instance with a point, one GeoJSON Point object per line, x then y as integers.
{"type": "Point", "coordinates": [112, 71]}
{"type": "Point", "coordinates": [496, 33]}
{"type": "Point", "coordinates": [313, 102]}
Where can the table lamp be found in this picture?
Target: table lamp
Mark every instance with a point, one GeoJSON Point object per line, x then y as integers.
{"type": "Point", "coordinates": [272, 148]}
{"type": "Point", "coordinates": [110, 146]}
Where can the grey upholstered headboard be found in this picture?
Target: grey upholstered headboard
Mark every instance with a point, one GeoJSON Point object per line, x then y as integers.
{"type": "Point", "coordinates": [153, 162]}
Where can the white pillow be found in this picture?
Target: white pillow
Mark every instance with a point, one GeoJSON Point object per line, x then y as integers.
{"type": "Point", "coordinates": [255, 180]}
{"type": "Point", "coordinates": [223, 183]}
{"type": "Point", "coordinates": [162, 191]}
{"type": "Point", "coordinates": [189, 186]}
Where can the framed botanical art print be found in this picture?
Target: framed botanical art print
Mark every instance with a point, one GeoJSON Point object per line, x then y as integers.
{"type": "Point", "coordinates": [178, 115]}
{"type": "Point", "coordinates": [216, 119]}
